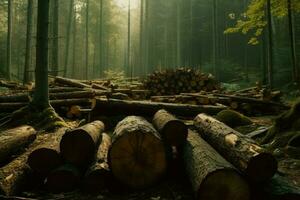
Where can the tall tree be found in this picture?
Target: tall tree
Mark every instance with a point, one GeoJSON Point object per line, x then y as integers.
{"type": "Point", "coordinates": [178, 35]}
{"type": "Point", "coordinates": [9, 37]}
{"type": "Point", "coordinates": [28, 52]}
{"type": "Point", "coordinates": [41, 94]}
{"type": "Point", "coordinates": [74, 42]}
{"type": "Point", "coordinates": [141, 48]}
{"type": "Point", "coordinates": [101, 37]}
{"type": "Point", "coordinates": [129, 66]}
{"type": "Point", "coordinates": [214, 37]}
{"type": "Point", "coordinates": [68, 38]}
{"type": "Point", "coordinates": [87, 39]}
{"type": "Point", "coordinates": [55, 50]}
{"type": "Point", "coordinates": [270, 44]}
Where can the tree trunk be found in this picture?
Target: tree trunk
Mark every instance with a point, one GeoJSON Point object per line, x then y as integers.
{"type": "Point", "coordinates": [98, 175]}
{"type": "Point", "coordinates": [55, 50]}
{"type": "Point", "coordinates": [142, 38]}
{"type": "Point", "coordinates": [214, 38]}
{"type": "Point", "coordinates": [41, 95]}
{"type": "Point", "coordinates": [70, 19]}
{"type": "Point", "coordinates": [178, 34]}
{"type": "Point", "coordinates": [209, 172]}
{"type": "Point", "coordinates": [137, 156]}
{"type": "Point", "coordinates": [172, 130]}
{"type": "Point", "coordinates": [270, 44]}
{"type": "Point", "coordinates": [45, 157]}
{"type": "Point", "coordinates": [74, 43]}
{"type": "Point", "coordinates": [63, 179]}
{"type": "Point", "coordinates": [101, 57]}
{"type": "Point", "coordinates": [79, 146]}
{"type": "Point", "coordinates": [29, 30]}
{"type": "Point", "coordinates": [9, 37]}
{"type": "Point", "coordinates": [87, 39]}
{"type": "Point", "coordinates": [145, 108]}
{"type": "Point", "coordinates": [244, 153]}
{"type": "Point", "coordinates": [129, 64]}
{"type": "Point", "coordinates": [11, 141]}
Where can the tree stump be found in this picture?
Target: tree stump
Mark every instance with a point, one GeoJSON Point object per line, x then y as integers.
{"type": "Point", "coordinates": [212, 177]}
{"type": "Point", "coordinates": [137, 156]}
{"type": "Point", "coordinates": [78, 146]}
{"type": "Point", "coordinates": [172, 130]}
{"type": "Point", "coordinates": [243, 152]}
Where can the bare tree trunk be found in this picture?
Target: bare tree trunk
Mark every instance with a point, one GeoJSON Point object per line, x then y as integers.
{"type": "Point", "coordinates": [87, 39]}
{"type": "Point", "coordinates": [41, 95]}
{"type": "Point", "coordinates": [74, 43]}
{"type": "Point", "coordinates": [9, 38]}
{"type": "Point", "coordinates": [68, 36]}
{"type": "Point", "coordinates": [214, 38]}
{"type": "Point", "coordinates": [270, 44]}
{"type": "Point", "coordinates": [141, 59]}
{"type": "Point", "coordinates": [26, 77]}
{"type": "Point", "coordinates": [55, 53]}
{"type": "Point", "coordinates": [101, 38]}
{"type": "Point", "coordinates": [178, 36]}
{"type": "Point", "coordinates": [129, 67]}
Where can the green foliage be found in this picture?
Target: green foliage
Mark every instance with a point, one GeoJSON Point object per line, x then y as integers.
{"type": "Point", "coordinates": [254, 18]}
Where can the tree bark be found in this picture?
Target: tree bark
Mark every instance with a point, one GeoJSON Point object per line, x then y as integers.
{"type": "Point", "coordinates": [41, 95]}
{"type": "Point", "coordinates": [137, 156]}
{"type": "Point", "coordinates": [270, 44]}
{"type": "Point", "coordinates": [9, 38]}
{"type": "Point", "coordinates": [45, 157]}
{"type": "Point", "coordinates": [63, 179]}
{"type": "Point", "coordinates": [87, 39]}
{"type": "Point", "coordinates": [55, 50]}
{"type": "Point", "coordinates": [244, 153]}
{"type": "Point", "coordinates": [172, 130]}
{"type": "Point", "coordinates": [98, 175]}
{"type": "Point", "coordinates": [70, 82]}
{"type": "Point", "coordinates": [209, 172]}
{"type": "Point", "coordinates": [145, 108]}
{"type": "Point", "coordinates": [29, 30]}
{"type": "Point", "coordinates": [79, 146]}
{"type": "Point", "coordinates": [15, 139]}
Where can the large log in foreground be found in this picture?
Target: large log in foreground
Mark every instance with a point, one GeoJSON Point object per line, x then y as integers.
{"type": "Point", "coordinates": [78, 146]}
{"type": "Point", "coordinates": [98, 175]}
{"type": "Point", "coordinates": [145, 108]}
{"type": "Point", "coordinates": [243, 152]}
{"type": "Point", "coordinates": [46, 157]}
{"type": "Point", "coordinates": [13, 140]}
{"type": "Point", "coordinates": [212, 177]}
{"type": "Point", "coordinates": [137, 156]}
{"type": "Point", "coordinates": [173, 131]}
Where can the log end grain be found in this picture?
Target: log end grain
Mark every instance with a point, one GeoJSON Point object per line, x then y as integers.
{"type": "Point", "coordinates": [137, 160]}
{"type": "Point", "coordinates": [262, 167]}
{"type": "Point", "coordinates": [223, 184]}
{"type": "Point", "coordinates": [44, 160]}
{"type": "Point", "coordinates": [64, 179]}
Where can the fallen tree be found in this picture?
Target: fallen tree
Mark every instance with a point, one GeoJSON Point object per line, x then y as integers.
{"type": "Point", "coordinates": [243, 152]}
{"type": "Point", "coordinates": [137, 155]}
{"type": "Point", "coordinates": [212, 177]}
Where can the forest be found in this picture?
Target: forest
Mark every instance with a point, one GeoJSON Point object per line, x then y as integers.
{"type": "Point", "coordinates": [150, 99]}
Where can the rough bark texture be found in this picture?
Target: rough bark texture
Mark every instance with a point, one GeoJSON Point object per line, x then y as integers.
{"type": "Point", "coordinates": [70, 82]}
{"type": "Point", "coordinates": [243, 152]}
{"type": "Point", "coordinates": [144, 108]}
{"type": "Point", "coordinates": [20, 97]}
{"type": "Point", "coordinates": [45, 157]}
{"type": "Point", "coordinates": [172, 130]}
{"type": "Point", "coordinates": [63, 179]}
{"type": "Point", "coordinates": [137, 156]}
{"type": "Point", "coordinates": [79, 146]}
{"type": "Point", "coordinates": [212, 177]}
{"type": "Point", "coordinates": [14, 139]}
{"type": "Point", "coordinates": [98, 175]}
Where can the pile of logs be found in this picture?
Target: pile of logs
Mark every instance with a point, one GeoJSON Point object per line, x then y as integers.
{"type": "Point", "coordinates": [137, 155]}
{"type": "Point", "coordinates": [176, 81]}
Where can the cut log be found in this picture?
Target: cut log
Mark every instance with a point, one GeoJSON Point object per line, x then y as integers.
{"type": "Point", "coordinates": [72, 95]}
{"type": "Point", "coordinates": [145, 108]}
{"type": "Point", "coordinates": [63, 179]}
{"type": "Point", "coordinates": [11, 141]}
{"type": "Point", "coordinates": [243, 152]}
{"type": "Point", "coordinates": [46, 157]}
{"type": "Point", "coordinates": [64, 89]}
{"type": "Point", "coordinates": [14, 176]}
{"type": "Point", "coordinates": [70, 82]}
{"type": "Point", "coordinates": [98, 175]}
{"type": "Point", "coordinates": [20, 97]}
{"type": "Point", "coordinates": [137, 156]}
{"type": "Point", "coordinates": [212, 177]}
{"type": "Point", "coordinates": [172, 130]}
{"type": "Point", "coordinates": [79, 146]}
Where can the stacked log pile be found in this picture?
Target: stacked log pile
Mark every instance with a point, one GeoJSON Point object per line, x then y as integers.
{"type": "Point", "coordinates": [176, 81]}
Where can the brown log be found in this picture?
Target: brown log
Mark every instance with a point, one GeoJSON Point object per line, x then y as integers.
{"type": "Point", "coordinates": [72, 95]}
{"type": "Point", "coordinates": [78, 146]}
{"type": "Point", "coordinates": [63, 179]}
{"type": "Point", "coordinates": [14, 176]}
{"type": "Point", "coordinates": [243, 152]}
{"type": "Point", "coordinates": [64, 89]}
{"type": "Point", "coordinates": [172, 130]}
{"type": "Point", "coordinates": [70, 82]}
{"type": "Point", "coordinates": [98, 175]}
{"type": "Point", "coordinates": [145, 108]}
{"type": "Point", "coordinates": [19, 97]}
{"type": "Point", "coordinates": [99, 86]}
{"type": "Point", "coordinates": [46, 157]}
{"type": "Point", "coordinates": [12, 140]}
{"type": "Point", "coordinates": [212, 177]}
{"type": "Point", "coordinates": [137, 156]}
